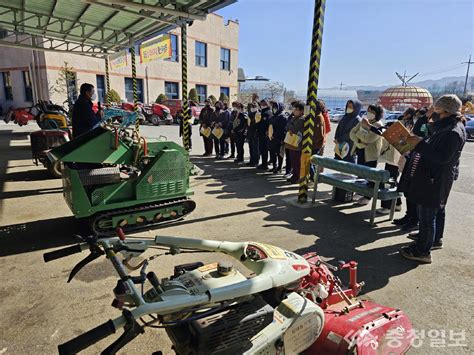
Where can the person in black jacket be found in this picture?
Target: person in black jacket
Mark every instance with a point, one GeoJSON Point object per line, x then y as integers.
{"type": "Point", "coordinates": [252, 111]}
{"type": "Point", "coordinates": [433, 167]}
{"type": "Point", "coordinates": [83, 117]}
{"type": "Point", "coordinates": [276, 136]}
{"type": "Point", "coordinates": [205, 120]}
{"type": "Point", "coordinates": [262, 129]}
{"type": "Point", "coordinates": [238, 130]}
{"type": "Point", "coordinates": [342, 136]}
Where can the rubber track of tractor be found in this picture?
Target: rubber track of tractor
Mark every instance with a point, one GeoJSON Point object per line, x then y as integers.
{"type": "Point", "coordinates": [134, 227]}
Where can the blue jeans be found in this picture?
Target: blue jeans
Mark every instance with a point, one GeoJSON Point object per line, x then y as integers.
{"type": "Point", "coordinates": [431, 228]}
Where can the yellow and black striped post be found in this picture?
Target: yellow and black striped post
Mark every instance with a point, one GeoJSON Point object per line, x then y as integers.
{"type": "Point", "coordinates": [107, 81]}
{"type": "Point", "coordinates": [184, 88]}
{"type": "Point", "coordinates": [135, 92]}
{"type": "Point", "coordinates": [318, 24]}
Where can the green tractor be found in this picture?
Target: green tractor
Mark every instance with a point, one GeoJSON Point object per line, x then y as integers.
{"type": "Point", "coordinates": [116, 179]}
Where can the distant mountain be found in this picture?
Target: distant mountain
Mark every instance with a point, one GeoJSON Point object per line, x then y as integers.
{"type": "Point", "coordinates": [424, 84]}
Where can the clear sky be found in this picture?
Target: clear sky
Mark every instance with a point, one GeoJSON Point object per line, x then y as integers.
{"type": "Point", "coordinates": [364, 41]}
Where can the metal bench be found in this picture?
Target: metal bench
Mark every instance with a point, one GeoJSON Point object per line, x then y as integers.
{"type": "Point", "coordinates": [351, 177]}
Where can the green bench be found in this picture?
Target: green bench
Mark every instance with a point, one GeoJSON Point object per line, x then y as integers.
{"type": "Point", "coordinates": [351, 177]}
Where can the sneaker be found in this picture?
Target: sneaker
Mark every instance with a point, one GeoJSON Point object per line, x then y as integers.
{"type": "Point", "coordinates": [293, 181]}
{"type": "Point", "coordinates": [401, 221]}
{"type": "Point", "coordinates": [398, 208]}
{"type": "Point", "coordinates": [410, 226]}
{"type": "Point", "coordinates": [382, 211]}
{"type": "Point", "coordinates": [262, 167]}
{"type": "Point", "coordinates": [436, 246]}
{"type": "Point", "coordinates": [232, 156]}
{"type": "Point", "coordinates": [288, 176]}
{"type": "Point", "coordinates": [363, 201]}
{"type": "Point", "coordinates": [409, 253]}
{"type": "Point", "coordinates": [413, 235]}
{"type": "Point", "coordinates": [276, 171]}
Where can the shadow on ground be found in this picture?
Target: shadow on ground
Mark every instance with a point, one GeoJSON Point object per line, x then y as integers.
{"type": "Point", "coordinates": [339, 233]}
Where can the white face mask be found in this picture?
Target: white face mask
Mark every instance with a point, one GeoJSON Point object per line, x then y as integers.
{"type": "Point", "coordinates": [253, 109]}
{"type": "Point", "coordinates": [370, 116]}
{"type": "Point", "coordinates": [94, 97]}
{"type": "Point", "coordinates": [349, 110]}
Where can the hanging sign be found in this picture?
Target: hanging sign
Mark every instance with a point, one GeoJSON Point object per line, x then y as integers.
{"type": "Point", "coordinates": [118, 60]}
{"type": "Point", "coordinates": [158, 48]}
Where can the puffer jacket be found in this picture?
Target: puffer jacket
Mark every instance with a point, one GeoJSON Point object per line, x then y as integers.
{"type": "Point", "coordinates": [367, 140]}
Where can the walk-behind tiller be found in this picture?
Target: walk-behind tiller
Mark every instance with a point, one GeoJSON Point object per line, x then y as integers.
{"type": "Point", "coordinates": [290, 304]}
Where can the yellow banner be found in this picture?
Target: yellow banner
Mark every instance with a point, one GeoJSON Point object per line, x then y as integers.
{"type": "Point", "coordinates": [118, 60]}
{"type": "Point", "coordinates": [159, 47]}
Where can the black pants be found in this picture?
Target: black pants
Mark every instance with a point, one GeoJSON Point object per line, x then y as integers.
{"type": "Point", "coordinates": [239, 145]}
{"type": "Point", "coordinates": [393, 170]}
{"type": "Point", "coordinates": [207, 145]}
{"type": "Point", "coordinates": [263, 149]}
{"type": "Point", "coordinates": [217, 147]}
{"type": "Point", "coordinates": [275, 158]}
{"type": "Point", "coordinates": [287, 161]}
{"type": "Point", "coordinates": [233, 143]}
{"type": "Point", "coordinates": [253, 149]}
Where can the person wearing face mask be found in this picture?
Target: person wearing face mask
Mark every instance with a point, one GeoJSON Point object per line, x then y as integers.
{"type": "Point", "coordinates": [433, 168]}
{"type": "Point", "coordinates": [342, 137]}
{"type": "Point", "coordinates": [252, 138]}
{"type": "Point", "coordinates": [238, 130]}
{"type": "Point", "coordinates": [83, 117]}
{"type": "Point", "coordinates": [407, 118]}
{"type": "Point", "coordinates": [296, 129]}
{"type": "Point", "coordinates": [231, 138]}
{"type": "Point", "coordinates": [215, 123]}
{"type": "Point", "coordinates": [205, 121]}
{"type": "Point", "coordinates": [276, 135]}
{"type": "Point", "coordinates": [262, 129]}
{"type": "Point", "coordinates": [367, 144]}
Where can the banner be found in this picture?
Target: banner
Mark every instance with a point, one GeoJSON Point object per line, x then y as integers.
{"type": "Point", "coordinates": [159, 47]}
{"type": "Point", "coordinates": [118, 60]}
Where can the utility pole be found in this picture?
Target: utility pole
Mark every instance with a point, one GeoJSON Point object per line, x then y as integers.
{"type": "Point", "coordinates": [341, 86]}
{"type": "Point", "coordinates": [467, 75]}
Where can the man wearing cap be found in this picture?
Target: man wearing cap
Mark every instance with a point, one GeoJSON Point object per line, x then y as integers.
{"type": "Point", "coordinates": [433, 167]}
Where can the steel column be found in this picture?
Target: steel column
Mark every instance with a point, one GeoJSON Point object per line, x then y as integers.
{"type": "Point", "coordinates": [135, 92]}
{"type": "Point", "coordinates": [308, 132]}
{"type": "Point", "coordinates": [107, 81]}
{"type": "Point", "coordinates": [184, 88]}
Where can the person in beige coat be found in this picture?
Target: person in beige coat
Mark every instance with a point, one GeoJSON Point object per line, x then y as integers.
{"type": "Point", "coordinates": [368, 144]}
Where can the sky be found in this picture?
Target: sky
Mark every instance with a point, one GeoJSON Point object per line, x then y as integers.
{"type": "Point", "coordinates": [364, 41]}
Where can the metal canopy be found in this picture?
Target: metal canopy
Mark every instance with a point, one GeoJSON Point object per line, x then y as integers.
{"type": "Point", "coordinates": [94, 27]}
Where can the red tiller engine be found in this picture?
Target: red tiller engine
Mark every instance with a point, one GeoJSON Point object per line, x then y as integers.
{"type": "Point", "coordinates": [352, 325]}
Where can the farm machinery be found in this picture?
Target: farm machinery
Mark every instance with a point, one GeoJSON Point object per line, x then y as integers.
{"type": "Point", "coordinates": [290, 304]}
{"type": "Point", "coordinates": [115, 178]}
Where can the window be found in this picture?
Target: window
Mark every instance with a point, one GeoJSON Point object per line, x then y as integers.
{"type": "Point", "coordinates": [7, 85]}
{"type": "Point", "coordinates": [225, 59]}
{"type": "Point", "coordinates": [100, 88]}
{"type": "Point", "coordinates": [201, 54]}
{"type": "Point", "coordinates": [201, 92]}
{"type": "Point", "coordinates": [171, 90]}
{"type": "Point", "coordinates": [27, 86]}
{"type": "Point", "coordinates": [129, 89]}
{"type": "Point", "coordinates": [3, 34]}
{"type": "Point", "coordinates": [174, 48]}
{"type": "Point", "coordinates": [225, 91]}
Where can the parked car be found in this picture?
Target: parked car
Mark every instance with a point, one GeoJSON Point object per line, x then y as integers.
{"type": "Point", "coordinates": [470, 129]}
{"type": "Point", "coordinates": [336, 116]}
{"type": "Point", "coordinates": [175, 105]}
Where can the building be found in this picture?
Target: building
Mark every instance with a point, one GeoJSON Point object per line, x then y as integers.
{"type": "Point", "coordinates": [402, 97]}
{"type": "Point", "coordinates": [27, 75]}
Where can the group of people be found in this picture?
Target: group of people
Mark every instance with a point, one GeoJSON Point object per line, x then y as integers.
{"type": "Point", "coordinates": [272, 134]}
{"type": "Point", "coordinates": [428, 170]}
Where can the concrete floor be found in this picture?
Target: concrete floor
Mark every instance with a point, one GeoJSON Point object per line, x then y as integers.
{"type": "Point", "coordinates": [39, 310]}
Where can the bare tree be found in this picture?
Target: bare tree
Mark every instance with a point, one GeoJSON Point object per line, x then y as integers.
{"type": "Point", "coordinates": [275, 90]}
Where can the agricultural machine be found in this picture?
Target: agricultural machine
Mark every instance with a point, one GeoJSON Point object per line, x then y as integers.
{"type": "Point", "coordinates": [115, 178]}
{"type": "Point", "coordinates": [290, 304]}
{"type": "Point", "coordinates": [46, 114]}
{"type": "Point", "coordinates": [154, 113]}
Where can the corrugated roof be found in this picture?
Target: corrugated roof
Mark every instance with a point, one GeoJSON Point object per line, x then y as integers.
{"type": "Point", "coordinates": [94, 27]}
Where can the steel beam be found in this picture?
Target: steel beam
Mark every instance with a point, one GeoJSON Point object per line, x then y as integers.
{"type": "Point", "coordinates": [164, 10]}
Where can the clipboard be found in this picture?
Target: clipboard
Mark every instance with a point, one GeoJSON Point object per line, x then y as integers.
{"type": "Point", "coordinates": [292, 139]}
{"type": "Point", "coordinates": [217, 132]}
{"type": "Point", "coordinates": [397, 135]}
{"type": "Point", "coordinates": [258, 117]}
{"type": "Point", "coordinates": [206, 132]}
{"type": "Point", "coordinates": [270, 132]}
